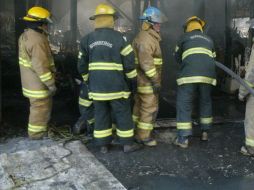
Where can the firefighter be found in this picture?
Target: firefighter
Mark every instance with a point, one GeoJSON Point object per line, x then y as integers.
{"type": "Point", "coordinates": [195, 54]}
{"type": "Point", "coordinates": [248, 149]}
{"type": "Point", "coordinates": [37, 70]}
{"type": "Point", "coordinates": [107, 66]}
{"type": "Point", "coordinates": [149, 63]}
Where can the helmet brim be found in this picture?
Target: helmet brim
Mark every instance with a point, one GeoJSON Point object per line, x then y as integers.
{"type": "Point", "coordinates": [116, 16]}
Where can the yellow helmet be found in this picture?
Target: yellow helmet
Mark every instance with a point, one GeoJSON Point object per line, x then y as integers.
{"type": "Point", "coordinates": [194, 23]}
{"type": "Point", "coordinates": [103, 9]}
{"type": "Point", "coordinates": [38, 14]}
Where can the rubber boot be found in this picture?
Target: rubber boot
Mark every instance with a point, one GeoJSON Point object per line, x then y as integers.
{"type": "Point", "coordinates": [131, 147]}
{"type": "Point", "coordinates": [79, 128]}
{"type": "Point", "coordinates": [144, 137]}
{"type": "Point", "coordinates": [182, 142]}
{"type": "Point", "coordinates": [37, 136]}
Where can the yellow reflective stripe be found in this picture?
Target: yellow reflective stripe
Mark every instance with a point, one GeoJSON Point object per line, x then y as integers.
{"type": "Point", "coordinates": [80, 55]}
{"type": "Point", "coordinates": [105, 66]}
{"type": "Point", "coordinates": [249, 142]}
{"type": "Point", "coordinates": [145, 89]}
{"type": "Point", "coordinates": [156, 61]}
{"type": "Point", "coordinates": [199, 50]}
{"type": "Point", "coordinates": [36, 128]}
{"type": "Point", "coordinates": [85, 102]}
{"type": "Point", "coordinates": [24, 62]}
{"type": "Point", "coordinates": [102, 133]}
{"type": "Point", "coordinates": [196, 79]}
{"type": "Point", "coordinates": [125, 134]}
{"type": "Point", "coordinates": [108, 96]}
{"type": "Point", "coordinates": [207, 120]}
{"type": "Point", "coordinates": [183, 125]}
{"type": "Point", "coordinates": [91, 121]}
{"type": "Point", "coordinates": [135, 118]}
{"type": "Point", "coordinates": [35, 93]}
{"type": "Point", "coordinates": [46, 77]}
{"type": "Point", "coordinates": [128, 49]}
{"type": "Point", "coordinates": [132, 74]}
{"type": "Point", "coordinates": [249, 84]}
{"type": "Point", "coordinates": [151, 72]}
{"type": "Point", "coordinates": [85, 77]}
{"type": "Point", "coordinates": [145, 126]}
{"type": "Point", "coordinates": [176, 48]}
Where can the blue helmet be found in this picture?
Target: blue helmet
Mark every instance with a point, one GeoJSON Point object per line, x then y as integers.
{"type": "Point", "coordinates": [153, 15]}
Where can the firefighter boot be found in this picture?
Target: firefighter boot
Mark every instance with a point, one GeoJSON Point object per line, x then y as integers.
{"type": "Point", "coordinates": [79, 127]}
{"type": "Point", "coordinates": [131, 147]}
{"type": "Point", "coordinates": [37, 136]}
{"type": "Point", "coordinates": [182, 142]}
{"type": "Point", "coordinates": [144, 137]}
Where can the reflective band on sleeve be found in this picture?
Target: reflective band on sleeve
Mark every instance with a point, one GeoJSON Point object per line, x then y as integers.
{"type": "Point", "coordinates": [24, 62]}
{"type": "Point", "coordinates": [102, 133]}
{"type": "Point", "coordinates": [85, 77]}
{"type": "Point", "coordinates": [249, 142]}
{"type": "Point", "coordinates": [145, 126]}
{"type": "Point", "coordinates": [80, 55]}
{"type": "Point", "coordinates": [151, 73]}
{"type": "Point", "coordinates": [105, 66]}
{"type": "Point", "coordinates": [35, 93]}
{"type": "Point", "coordinates": [36, 128]}
{"type": "Point", "coordinates": [128, 49]}
{"type": "Point", "coordinates": [46, 77]}
{"type": "Point", "coordinates": [196, 79]}
{"type": "Point", "coordinates": [145, 89]}
{"type": "Point", "coordinates": [207, 120]}
{"type": "Point", "coordinates": [176, 48]}
{"type": "Point", "coordinates": [199, 50]}
{"type": "Point", "coordinates": [156, 61]}
{"type": "Point", "coordinates": [132, 74]}
{"type": "Point", "coordinates": [91, 121]}
{"type": "Point", "coordinates": [135, 118]}
{"type": "Point", "coordinates": [125, 134]}
{"type": "Point", "coordinates": [85, 102]}
{"type": "Point", "coordinates": [183, 125]}
{"type": "Point", "coordinates": [108, 96]}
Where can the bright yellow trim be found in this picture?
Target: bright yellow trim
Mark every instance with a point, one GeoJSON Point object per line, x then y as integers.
{"type": "Point", "coordinates": [151, 72]}
{"type": "Point", "coordinates": [125, 134]}
{"type": "Point", "coordinates": [85, 102]}
{"type": "Point", "coordinates": [249, 84]}
{"type": "Point", "coordinates": [35, 93]}
{"type": "Point", "coordinates": [145, 126]}
{"type": "Point", "coordinates": [156, 61]}
{"type": "Point", "coordinates": [36, 128]}
{"type": "Point", "coordinates": [45, 77]}
{"type": "Point", "coordinates": [105, 66]}
{"type": "Point", "coordinates": [85, 77]}
{"type": "Point", "coordinates": [196, 79]}
{"type": "Point", "coordinates": [102, 133]}
{"type": "Point", "coordinates": [135, 118]}
{"type": "Point", "coordinates": [183, 125]}
{"type": "Point", "coordinates": [109, 96]}
{"type": "Point", "coordinates": [127, 50]}
{"type": "Point", "coordinates": [24, 62]}
{"type": "Point", "coordinates": [198, 50]}
{"type": "Point", "coordinates": [145, 89]}
{"type": "Point", "coordinates": [249, 142]}
{"type": "Point", "coordinates": [132, 74]}
{"type": "Point", "coordinates": [207, 120]}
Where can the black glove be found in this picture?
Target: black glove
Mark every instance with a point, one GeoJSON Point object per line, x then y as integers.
{"type": "Point", "coordinates": [133, 85]}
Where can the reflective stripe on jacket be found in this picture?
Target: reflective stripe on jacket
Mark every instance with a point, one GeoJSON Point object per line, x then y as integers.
{"type": "Point", "coordinates": [36, 64]}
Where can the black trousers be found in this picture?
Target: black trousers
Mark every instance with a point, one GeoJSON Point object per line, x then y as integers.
{"type": "Point", "coordinates": [120, 110]}
{"type": "Point", "coordinates": [185, 97]}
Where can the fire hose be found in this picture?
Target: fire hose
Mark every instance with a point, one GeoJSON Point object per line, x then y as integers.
{"type": "Point", "coordinates": [235, 76]}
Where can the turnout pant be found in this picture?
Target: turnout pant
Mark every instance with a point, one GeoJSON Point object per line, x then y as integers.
{"type": "Point", "coordinates": [185, 97]}
{"type": "Point", "coordinates": [144, 114]}
{"type": "Point", "coordinates": [121, 111]}
{"type": "Point", "coordinates": [249, 122]}
{"type": "Point", "coordinates": [40, 110]}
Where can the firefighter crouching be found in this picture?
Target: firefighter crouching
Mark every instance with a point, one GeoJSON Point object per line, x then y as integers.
{"type": "Point", "coordinates": [149, 63]}
{"type": "Point", "coordinates": [37, 70]}
{"type": "Point", "coordinates": [195, 54]}
{"type": "Point", "coordinates": [248, 149]}
{"type": "Point", "coordinates": [107, 66]}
